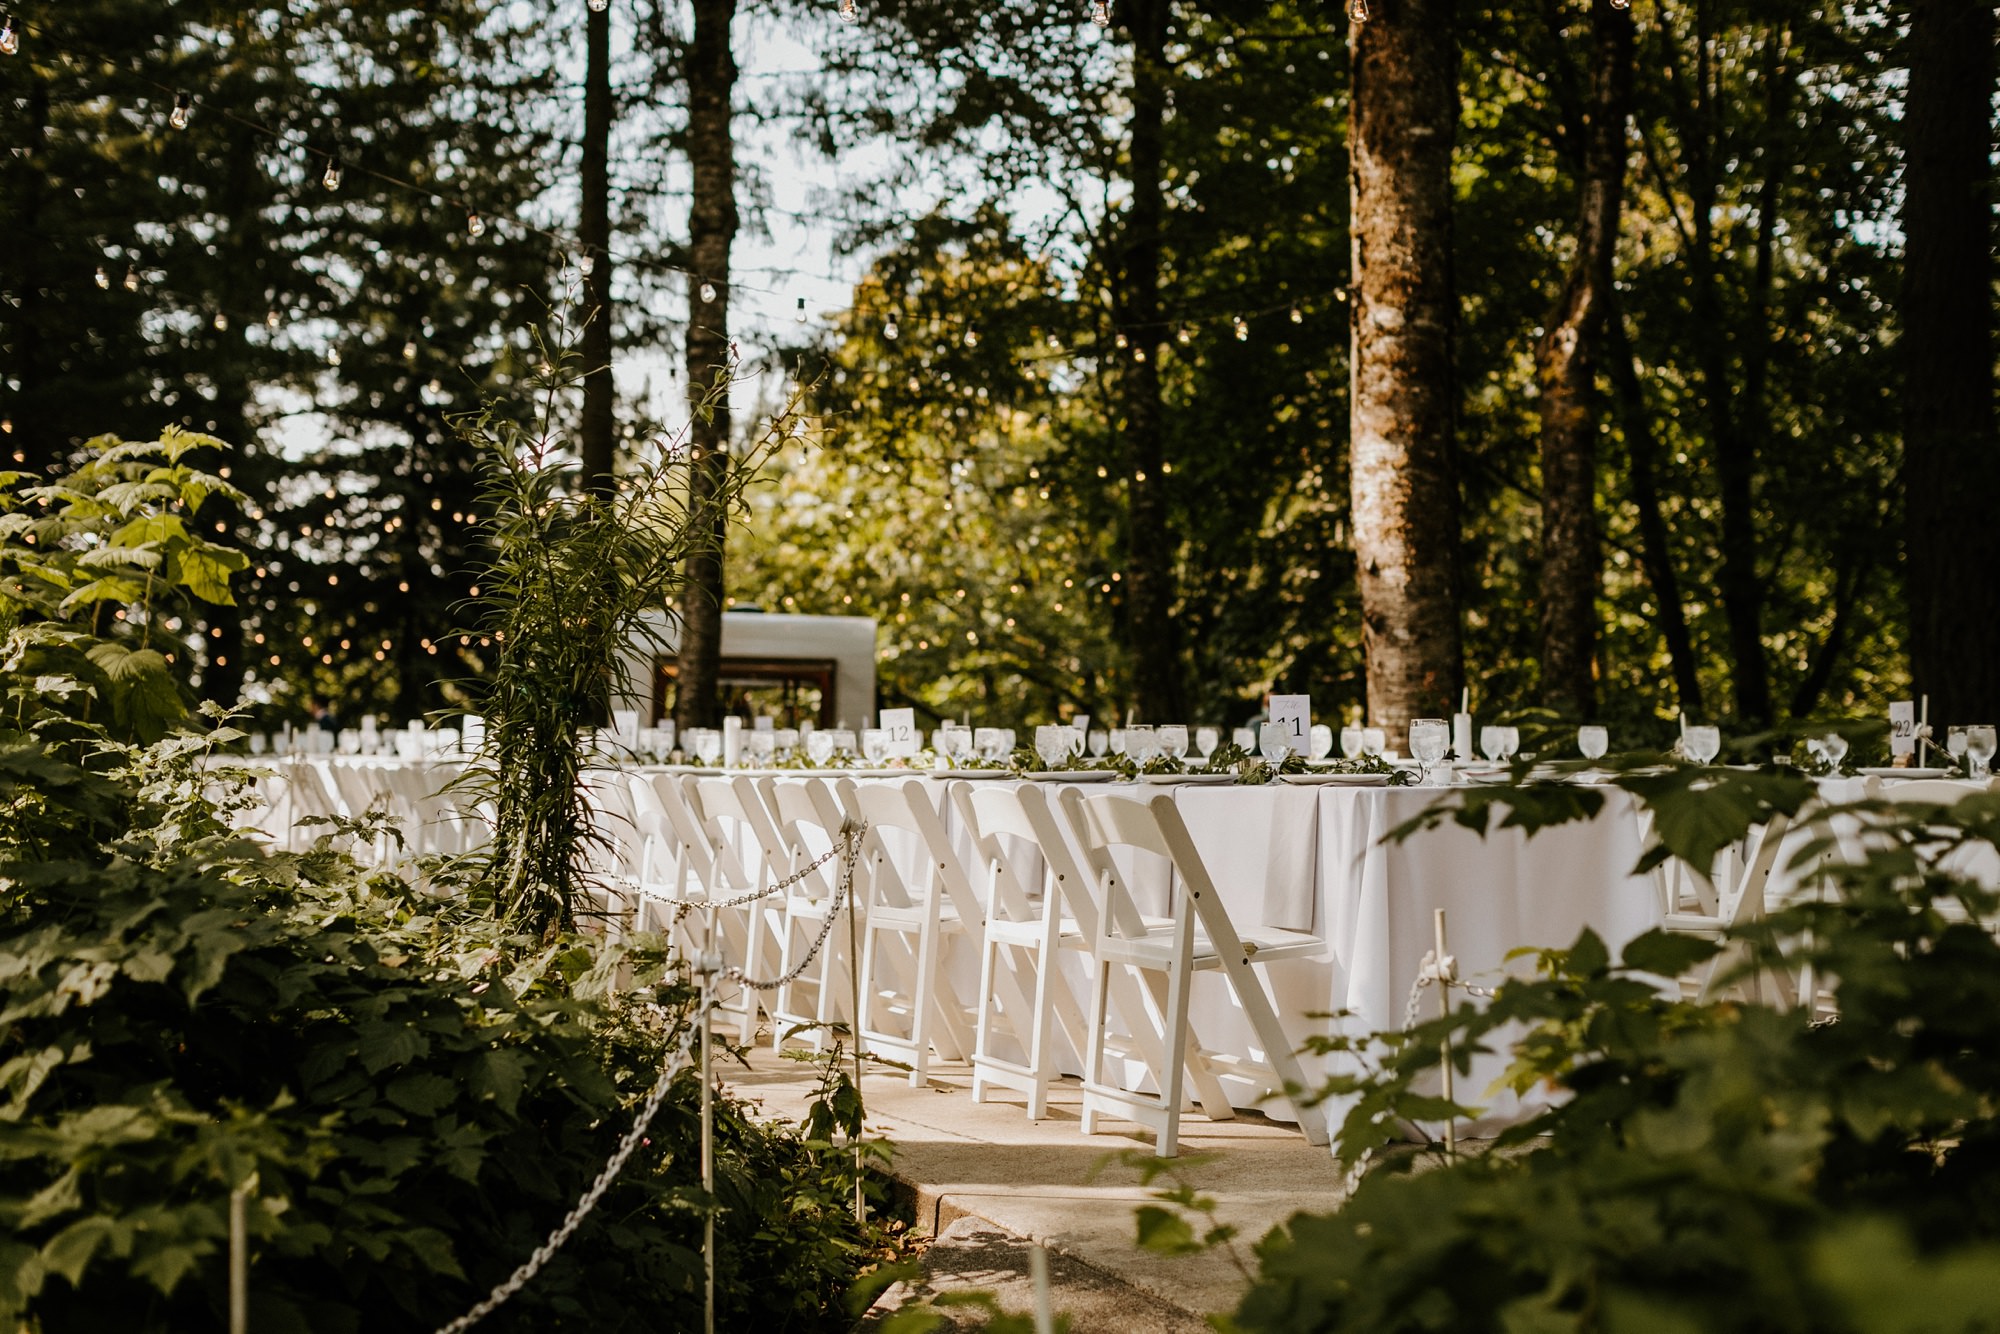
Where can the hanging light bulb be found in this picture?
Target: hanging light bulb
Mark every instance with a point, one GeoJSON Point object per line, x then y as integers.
{"type": "Point", "coordinates": [332, 178]}
{"type": "Point", "coordinates": [221, 322]}
{"type": "Point", "coordinates": [1358, 10]}
{"type": "Point", "coordinates": [1298, 316]}
{"type": "Point", "coordinates": [1242, 330]}
{"type": "Point", "coordinates": [1621, 4]}
{"type": "Point", "coordinates": [475, 224]}
{"type": "Point", "coordinates": [889, 328]}
{"type": "Point", "coordinates": [10, 38]}
{"type": "Point", "coordinates": [183, 108]}
{"type": "Point", "coordinates": [1100, 13]}
{"type": "Point", "coordinates": [587, 265]}
{"type": "Point", "coordinates": [848, 13]}
{"type": "Point", "coordinates": [132, 280]}
{"type": "Point", "coordinates": [801, 316]}
{"type": "Point", "coordinates": [1184, 336]}
{"type": "Point", "coordinates": [972, 335]}
{"type": "Point", "coordinates": [103, 278]}
{"type": "Point", "coordinates": [410, 350]}
{"type": "Point", "coordinates": [707, 294]}
{"type": "Point", "coordinates": [271, 318]}
{"type": "Point", "coordinates": [599, 6]}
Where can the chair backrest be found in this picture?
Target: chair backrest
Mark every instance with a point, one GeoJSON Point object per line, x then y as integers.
{"type": "Point", "coordinates": [994, 814]}
{"type": "Point", "coordinates": [805, 814]}
{"type": "Point", "coordinates": [888, 805]}
{"type": "Point", "coordinates": [724, 821]}
{"type": "Point", "coordinates": [1103, 821]}
{"type": "Point", "coordinates": [674, 834]}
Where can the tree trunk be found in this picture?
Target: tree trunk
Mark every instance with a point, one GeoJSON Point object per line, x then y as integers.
{"type": "Point", "coordinates": [598, 444]}
{"type": "Point", "coordinates": [712, 223]}
{"type": "Point", "coordinates": [1403, 405]}
{"type": "Point", "coordinates": [1951, 460]}
{"type": "Point", "coordinates": [1152, 635]}
{"type": "Point", "coordinates": [1566, 361]}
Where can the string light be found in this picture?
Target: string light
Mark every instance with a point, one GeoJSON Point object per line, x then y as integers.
{"type": "Point", "coordinates": [599, 6]}
{"type": "Point", "coordinates": [889, 329]}
{"type": "Point", "coordinates": [10, 39]}
{"type": "Point", "coordinates": [332, 178]}
{"type": "Point", "coordinates": [848, 13]}
{"type": "Point", "coordinates": [707, 294]}
{"type": "Point", "coordinates": [132, 280]}
{"type": "Point", "coordinates": [1242, 330]}
{"type": "Point", "coordinates": [1358, 10]}
{"type": "Point", "coordinates": [271, 318]}
{"type": "Point", "coordinates": [183, 108]}
{"type": "Point", "coordinates": [103, 279]}
{"type": "Point", "coordinates": [1121, 340]}
{"type": "Point", "coordinates": [221, 322]}
{"type": "Point", "coordinates": [1100, 13]}
{"type": "Point", "coordinates": [474, 224]}
{"type": "Point", "coordinates": [972, 335]}
{"type": "Point", "coordinates": [1621, 4]}
{"type": "Point", "coordinates": [587, 265]}
{"type": "Point", "coordinates": [801, 316]}
{"type": "Point", "coordinates": [1298, 316]}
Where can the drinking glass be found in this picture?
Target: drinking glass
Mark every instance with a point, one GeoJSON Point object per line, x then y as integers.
{"type": "Point", "coordinates": [1350, 741]}
{"type": "Point", "coordinates": [986, 740]}
{"type": "Point", "coordinates": [957, 742]}
{"type": "Point", "coordinates": [1100, 741]}
{"type": "Point", "coordinates": [843, 740]}
{"type": "Point", "coordinates": [707, 744]}
{"type": "Point", "coordinates": [1979, 744]}
{"type": "Point", "coordinates": [1274, 741]}
{"type": "Point", "coordinates": [785, 741]}
{"type": "Point", "coordinates": [1115, 738]}
{"type": "Point", "coordinates": [1593, 742]}
{"type": "Point", "coordinates": [1954, 743]}
{"type": "Point", "coordinates": [1173, 739]}
{"type": "Point", "coordinates": [1006, 742]}
{"type": "Point", "coordinates": [1429, 738]}
{"type": "Point", "coordinates": [1322, 741]}
{"type": "Point", "coordinates": [1491, 741]}
{"type": "Point", "coordinates": [1206, 739]}
{"type": "Point", "coordinates": [666, 738]}
{"type": "Point", "coordinates": [1510, 742]}
{"type": "Point", "coordinates": [875, 745]}
{"type": "Point", "coordinates": [259, 743]}
{"type": "Point", "coordinates": [763, 748]}
{"type": "Point", "coordinates": [1140, 743]}
{"type": "Point", "coordinates": [1374, 740]}
{"type": "Point", "coordinates": [819, 747]}
{"type": "Point", "coordinates": [1834, 746]}
{"type": "Point", "coordinates": [1245, 739]}
{"type": "Point", "coordinates": [1052, 744]}
{"type": "Point", "coordinates": [1703, 744]}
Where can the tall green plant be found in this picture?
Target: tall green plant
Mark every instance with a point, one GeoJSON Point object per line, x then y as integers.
{"type": "Point", "coordinates": [564, 599]}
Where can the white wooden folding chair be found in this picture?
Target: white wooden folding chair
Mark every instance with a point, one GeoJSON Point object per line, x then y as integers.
{"type": "Point", "coordinates": [909, 1007]}
{"type": "Point", "coordinates": [1197, 936]}
{"type": "Point", "coordinates": [735, 870]}
{"type": "Point", "coordinates": [806, 818]}
{"type": "Point", "coordinates": [1738, 904]}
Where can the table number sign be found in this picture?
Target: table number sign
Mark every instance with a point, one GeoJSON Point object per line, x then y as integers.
{"type": "Point", "coordinates": [1903, 728]}
{"type": "Point", "coordinates": [901, 727]}
{"type": "Point", "coordinates": [1295, 712]}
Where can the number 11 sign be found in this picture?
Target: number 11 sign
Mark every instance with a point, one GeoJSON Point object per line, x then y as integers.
{"type": "Point", "coordinates": [1296, 713]}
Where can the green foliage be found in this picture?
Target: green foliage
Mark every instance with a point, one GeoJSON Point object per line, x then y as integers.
{"type": "Point", "coordinates": [1706, 1167]}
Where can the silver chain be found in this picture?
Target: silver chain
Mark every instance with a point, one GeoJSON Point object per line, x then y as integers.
{"type": "Point", "coordinates": [843, 892]}
{"type": "Point", "coordinates": [682, 907]}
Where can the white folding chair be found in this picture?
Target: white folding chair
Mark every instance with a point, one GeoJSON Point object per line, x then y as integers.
{"type": "Point", "coordinates": [909, 1007]}
{"type": "Point", "coordinates": [720, 821]}
{"type": "Point", "coordinates": [1197, 936]}
{"type": "Point", "coordinates": [806, 818]}
{"type": "Point", "coordinates": [1738, 904]}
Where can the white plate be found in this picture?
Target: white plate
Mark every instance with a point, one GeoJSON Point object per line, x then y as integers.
{"type": "Point", "coordinates": [970, 773]}
{"type": "Point", "coordinates": [1187, 778]}
{"type": "Point", "coordinates": [1337, 780]}
{"type": "Point", "coordinates": [1071, 775]}
{"type": "Point", "coordinates": [1903, 773]}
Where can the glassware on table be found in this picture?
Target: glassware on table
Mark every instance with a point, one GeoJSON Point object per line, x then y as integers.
{"type": "Point", "coordinates": [1979, 745]}
{"type": "Point", "coordinates": [258, 743]}
{"type": "Point", "coordinates": [986, 742]}
{"type": "Point", "coordinates": [1491, 742]}
{"type": "Point", "coordinates": [1350, 741]}
{"type": "Point", "coordinates": [1374, 740]}
{"type": "Point", "coordinates": [1140, 743]}
{"type": "Point", "coordinates": [1510, 740]}
{"type": "Point", "coordinates": [1954, 743]}
{"type": "Point", "coordinates": [785, 742]}
{"type": "Point", "coordinates": [819, 747]}
{"type": "Point", "coordinates": [1274, 741]}
{"type": "Point", "coordinates": [1115, 739]}
{"type": "Point", "coordinates": [875, 745]}
{"type": "Point", "coordinates": [1173, 740]}
{"type": "Point", "coordinates": [1100, 741]}
{"type": "Point", "coordinates": [707, 744]}
{"type": "Point", "coordinates": [1702, 744]}
{"type": "Point", "coordinates": [1006, 742]}
{"type": "Point", "coordinates": [1429, 739]}
{"type": "Point", "coordinates": [1322, 741]}
{"type": "Point", "coordinates": [1206, 739]}
{"type": "Point", "coordinates": [1245, 739]}
{"type": "Point", "coordinates": [1052, 743]}
{"type": "Point", "coordinates": [1834, 747]}
{"type": "Point", "coordinates": [956, 739]}
{"type": "Point", "coordinates": [1593, 742]}
{"type": "Point", "coordinates": [843, 741]}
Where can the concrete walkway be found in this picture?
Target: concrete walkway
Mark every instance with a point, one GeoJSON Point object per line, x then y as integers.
{"type": "Point", "coordinates": [1047, 1182]}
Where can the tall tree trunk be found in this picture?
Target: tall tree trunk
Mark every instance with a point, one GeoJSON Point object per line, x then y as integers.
{"type": "Point", "coordinates": [1152, 635]}
{"type": "Point", "coordinates": [1403, 404]}
{"type": "Point", "coordinates": [1656, 553]}
{"type": "Point", "coordinates": [598, 429]}
{"type": "Point", "coordinates": [712, 221]}
{"type": "Point", "coordinates": [1566, 360]}
{"type": "Point", "coordinates": [1951, 460]}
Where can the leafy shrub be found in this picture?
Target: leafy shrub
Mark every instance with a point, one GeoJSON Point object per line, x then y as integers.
{"type": "Point", "coordinates": [1712, 1167]}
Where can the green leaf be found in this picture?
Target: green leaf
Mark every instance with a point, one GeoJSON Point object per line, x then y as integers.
{"type": "Point", "coordinates": [1666, 953]}
{"type": "Point", "coordinates": [1164, 1231]}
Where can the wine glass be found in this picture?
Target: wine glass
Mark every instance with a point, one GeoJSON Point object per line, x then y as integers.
{"type": "Point", "coordinates": [763, 748]}
{"type": "Point", "coordinates": [1274, 741]}
{"type": "Point", "coordinates": [957, 742]}
{"type": "Point", "coordinates": [875, 746]}
{"type": "Point", "coordinates": [1100, 741]}
{"type": "Point", "coordinates": [785, 741]}
{"type": "Point", "coordinates": [1593, 742]}
{"type": "Point", "coordinates": [1245, 739]}
{"type": "Point", "coordinates": [1492, 742]}
{"type": "Point", "coordinates": [1834, 746]}
{"type": "Point", "coordinates": [1429, 738]}
{"type": "Point", "coordinates": [1374, 740]}
{"type": "Point", "coordinates": [1006, 742]}
{"type": "Point", "coordinates": [1510, 742]}
{"type": "Point", "coordinates": [986, 741]}
{"type": "Point", "coordinates": [1322, 741]}
{"type": "Point", "coordinates": [843, 740]}
{"type": "Point", "coordinates": [707, 744]}
{"type": "Point", "coordinates": [1702, 744]}
{"type": "Point", "coordinates": [1173, 740]}
{"type": "Point", "coordinates": [1979, 745]}
{"type": "Point", "coordinates": [1350, 741]}
{"type": "Point", "coordinates": [1140, 743]}
{"type": "Point", "coordinates": [1206, 739]}
{"type": "Point", "coordinates": [1052, 744]}
{"type": "Point", "coordinates": [1954, 744]}
{"type": "Point", "coordinates": [1115, 739]}
{"type": "Point", "coordinates": [819, 747]}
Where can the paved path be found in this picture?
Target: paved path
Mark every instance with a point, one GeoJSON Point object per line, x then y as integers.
{"type": "Point", "coordinates": [1046, 1182]}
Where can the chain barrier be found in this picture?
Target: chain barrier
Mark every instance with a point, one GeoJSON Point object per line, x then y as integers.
{"type": "Point", "coordinates": [847, 849]}
{"type": "Point", "coordinates": [1431, 973]}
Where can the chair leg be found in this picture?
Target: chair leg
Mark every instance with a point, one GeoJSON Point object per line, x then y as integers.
{"type": "Point", "coordinates": [982, 1031]}
{"type": "Point", "coordinates": [1043, 1020]}
{"type": "Point", "coordinates": [1179, 981]}
{"type": "Point", "coordinates": [1093, 1057]}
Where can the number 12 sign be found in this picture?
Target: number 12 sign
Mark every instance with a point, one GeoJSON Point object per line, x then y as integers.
{"type": "Point", "coordinates": [901, 725]}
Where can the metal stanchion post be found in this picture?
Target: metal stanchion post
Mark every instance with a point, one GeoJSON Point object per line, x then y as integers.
{"type": "Point", "coordinates": [239, 1260]}
{"type": "Point", "coordinates": [851, 837]}
{"type": "Point", "coordinates": [1444, 973]}
{"type": "Point", "coordinates": [708, 970]}
{"type": "Point", "coordinates": [1038, 1267]}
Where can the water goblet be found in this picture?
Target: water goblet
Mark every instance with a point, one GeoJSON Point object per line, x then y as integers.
{"type": "Point", "coordinates": [1206, 739]}
{"type": "Point", "coordinates": [819, 747]}
{"type": "Point", "coordinates": [843, 741]}
{"type": "Point", "coordinates": [1052, 744]}
{"type": "Point", "coordinates": [957, 739]}
{"type": "Point", "coordinates": [1834, 746]}
{"type": "Point", "coordinates": [258, 743]}
{"type": "Point", "coordinates": [1100, 741]}
{"type": "Point", "coordinates": [1510, 742]}
{"type": "Point", "coordinates": [1006, 742]}
{"type": "Point", "coordinates": [1350, 741]}
{"type": "Point", "coordinates": [785, 742]}
{"type": "Point", "coordinates": [1140, 743]}
{"type": "Point", "coordinates": [1429, 739]}
{"type": "Point", "coordinates": [986, 742]}
{"type": "Point", "coordinates": [707, 744]}
{"type": "Point", "coordinates": [875, 746]}
{"type": "Point", "coordinates": [1322, 741]}
{"type": "Point", "coordinates": [1274, 741]}
{"type": "Point", "coordinates": [1374, 740]}
{"type": "Point", "coordinates": [1173, 740]}
{"type": "Point", "coordinates": [1115, 738]}
{"type": "Point", "coordinates": [1245, 739]}
{"type": "Point", "coordinates": [763, 747]}
{"type": "Point", "coordinates": [1593, 742]}
{"type": "Point", "coordinates": [1703, 744]}
{"type": "Point", "coordinates": [1979, 745]}
{"type": "Point", "coordinates": [1954, 744]}
{"type": "Point", "coordinates": [1491, 741]}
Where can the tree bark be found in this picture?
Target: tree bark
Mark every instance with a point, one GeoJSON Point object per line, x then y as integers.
{"type": "Point", "coordinates": [1403, 402]}
{"type": "Point", "coordinates": [1951, 460]}
{"type": "Point", "coordinates": [1566, 359]}
{"type": "Point", "coordinates": [597, 428]}
{"type": "Point", "coordinates": [1152, 635]}
{"type": "Point", "coordinates": [712, 222]}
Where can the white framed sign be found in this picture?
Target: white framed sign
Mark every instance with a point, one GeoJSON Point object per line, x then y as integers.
{"type": "Point", "coordinates": [1903, 727]}
{"type": "Point", "coordinates": [1295, 712]}
{"type": "Point", "coordinates": [900, 725]}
